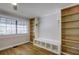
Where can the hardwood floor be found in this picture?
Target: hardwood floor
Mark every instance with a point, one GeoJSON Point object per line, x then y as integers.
{"type": "Point", "coordinates": [25, 49]}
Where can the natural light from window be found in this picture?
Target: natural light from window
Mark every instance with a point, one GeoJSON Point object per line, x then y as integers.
{"type": "Point", "coordinates": [11, 26]}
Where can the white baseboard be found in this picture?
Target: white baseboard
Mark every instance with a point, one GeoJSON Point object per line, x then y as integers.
{"type": "Point", "coordinates": [13, 45]}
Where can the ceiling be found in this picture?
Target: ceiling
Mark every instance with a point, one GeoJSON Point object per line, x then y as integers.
{"type": "Point", "coordinates": [40, 9]}
{"type": "Point", "coordinates": [34, 9]}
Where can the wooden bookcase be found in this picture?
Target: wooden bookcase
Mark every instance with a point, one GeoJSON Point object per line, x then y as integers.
{"type": "Point", "coordinates": [33, 29]}
{"type": "Point", "coordinates": [70, 30]}
{"type": "Point", "coordinates": [32, 36]}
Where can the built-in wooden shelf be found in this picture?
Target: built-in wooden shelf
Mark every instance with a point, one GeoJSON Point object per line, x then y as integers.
{"type": "Point", "coordinates": [70, 30]}
{"type": "Point", "coordinates": [71, 50]}
{"type": "Point", "coordinates": [65, 53]}
{"type": "Point", "coordinates": [32, 20]}
{"type": "Point", "coordinates": [70, 41]}
{"type": "Point", "coordinates": [70, 35]}
{"type": "Point", "coordinates": [69, 21]}
{"type": "Point", "coordinates": [70, 11]}
{"type": "Point", "coordinates": [70, 14]}
{"type": "Point", "coordinates": [70, 47]}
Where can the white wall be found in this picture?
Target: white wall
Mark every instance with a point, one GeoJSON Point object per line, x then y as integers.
{"type": "Point", "coordinates": [6, 6]}
{"type": "Point", "coordinates": [12, 40]}
{"type": "Point", "coordinates": [50, 28]}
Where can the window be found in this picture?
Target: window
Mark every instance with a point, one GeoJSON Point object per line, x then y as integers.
{"type": "Point", "coordinates": [21, 27]}
{"type": "Point", "coordinates": [10, 26]}
{"type": "Point", "coordinates": [2, 26]}
{"type": "Point", "coordinates": [13, 27]}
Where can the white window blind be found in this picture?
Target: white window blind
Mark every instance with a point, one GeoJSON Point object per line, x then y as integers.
{"type": "Point", "coordinates": [9, 26]}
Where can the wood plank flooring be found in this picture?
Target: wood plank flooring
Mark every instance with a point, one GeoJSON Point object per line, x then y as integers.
{"type": "Point", "coordinates": [26, 49]}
